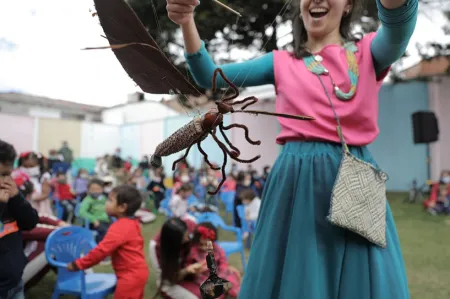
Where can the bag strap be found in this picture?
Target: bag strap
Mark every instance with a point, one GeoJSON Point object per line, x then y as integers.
{"type": "Point", "coordinates": [336, 117]}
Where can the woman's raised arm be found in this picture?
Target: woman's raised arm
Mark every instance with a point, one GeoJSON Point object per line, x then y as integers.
{"type": "Point", "coordinates": [398, 20]}
{"type": "Point", "coordinates": [250, 73]}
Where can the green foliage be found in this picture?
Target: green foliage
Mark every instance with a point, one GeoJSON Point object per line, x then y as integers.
{"type": "Point", "coordinates": [213, 21]}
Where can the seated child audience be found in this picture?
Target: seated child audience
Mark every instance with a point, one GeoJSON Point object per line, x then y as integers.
{"type": "Point", "coordinates": [80, 184]}
{"type": "Point", "coordinates": [445, 177]}
{"type": "Point", "coordinates": [93, 209]}
{"type": "Point", "coordinates": [138, 179]}
{"type": "Point", "coordinates": [168, 253]}
{"type": "Point", "coordinates": [66, 197]}
{"type": "Point", "coordinates": [124, 243]}
{"type": "Point", "coordinates": [252, 204]}
{"type": "Point", "coordinates": [16, 215]}
{"type": "Point", "coordinates": [197, 255]}
{"type": "Point", "coordinates": [442, 204]}
{"type": "Point", "coordinates": [179, 205]}
{"type": "Point", "coordinates": [156, 186]}
{"type": "Point", "coordinates": [244, 181]}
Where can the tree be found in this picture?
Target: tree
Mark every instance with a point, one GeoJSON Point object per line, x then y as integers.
{"type": "Point", "coordinates": [213, 22]}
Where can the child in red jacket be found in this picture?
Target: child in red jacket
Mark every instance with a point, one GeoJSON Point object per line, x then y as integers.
{"type": "Point", "coordinates": [66, 197]}
{"type": "Point", "coordinates": [124, 243]}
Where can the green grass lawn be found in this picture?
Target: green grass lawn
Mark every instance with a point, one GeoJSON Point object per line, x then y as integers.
{"type": "Point", "coordinates": [425, 243]}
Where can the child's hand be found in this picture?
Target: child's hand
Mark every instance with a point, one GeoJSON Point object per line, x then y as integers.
{"type": "Point", "coordinates": [4, 195]}
{"type": "Point", "coordinates": [96, 223]}
{"type": "Point", "coordinates": [10, 187]}
{"type": "Point", "coordinates": [195, 268]}
{"type": "Point", "coordinates": [72, 267]}
{"type": "Point", "coordinates": [63, 224]}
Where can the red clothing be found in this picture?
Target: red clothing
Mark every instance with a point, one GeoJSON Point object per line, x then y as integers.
{"type": "Point", "coordinates": [63, 192]}
{"type": "Point", "coordinates": [125, 244]}
{"type": "Point", "coordinates": [229, 185]}
{"type": "Point", "coordinates": [127, 166]}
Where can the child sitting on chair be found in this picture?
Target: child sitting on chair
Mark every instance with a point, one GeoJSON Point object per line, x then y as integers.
{"type": "Point", "coordinates": [179, 205]}
{"type": "Point", "coordinates": [442, 204]}
{"type": "Point", "coordinates": [197, 255]}
{"type": "Point", "coordinates": [66, 197]}
{"type": "Point", "coordinates": [124, 243]}
{"type": "Point", "coordinates": [251, 203]}
{"type": "Point", "coordinates": [93, 209]}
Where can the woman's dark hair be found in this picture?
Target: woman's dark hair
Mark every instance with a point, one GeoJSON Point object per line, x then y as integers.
{"type": "Point", "coordinates": [130, 196]}
{"type": "Point", "coordinates": [42, 161]}
{"type": "Point", "coordinates": [301, 37]}
{"type": "Point", "coordinates": [171, 249]}
{"type": "Point", "coordinates": [197, 235]}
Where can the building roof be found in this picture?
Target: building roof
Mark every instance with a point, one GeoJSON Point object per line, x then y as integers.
{"type": "Point", "coordinates": [20, 98]}
{"type": "Point", "coordinates": [437, 66]}
{"type": "Point", "coordinates": [263, 92]}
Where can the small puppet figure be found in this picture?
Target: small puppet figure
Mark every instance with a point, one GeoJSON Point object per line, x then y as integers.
{"type": "Point", "coordinates": [214, 286]}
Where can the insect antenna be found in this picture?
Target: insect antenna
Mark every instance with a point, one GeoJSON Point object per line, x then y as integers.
{"type": "Point", "coordinates": [284, 115]}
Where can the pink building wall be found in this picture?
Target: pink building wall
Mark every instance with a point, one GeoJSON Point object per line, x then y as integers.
{"type": "Point", "coordinates": [19, 131]}
{"type": "Point", "coordinates": [439, 101]}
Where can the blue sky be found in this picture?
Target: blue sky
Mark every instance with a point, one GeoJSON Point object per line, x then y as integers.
{"type": "Point", "coordinates": [41, 42]}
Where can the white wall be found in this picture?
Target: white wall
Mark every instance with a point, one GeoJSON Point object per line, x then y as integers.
{"type": "Point", "coordinates": [439, 99]}
{"type": "Point", "coordinates": [137, 112]}
{"type": "Point", "coordinates": [98, 139]}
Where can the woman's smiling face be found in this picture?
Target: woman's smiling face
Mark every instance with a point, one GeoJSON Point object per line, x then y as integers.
{"type": "Point", "coordinates": [321, 17]}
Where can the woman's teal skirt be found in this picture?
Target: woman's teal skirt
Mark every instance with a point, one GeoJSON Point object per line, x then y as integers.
{"type": "Point", "coordinates": [298, 254]}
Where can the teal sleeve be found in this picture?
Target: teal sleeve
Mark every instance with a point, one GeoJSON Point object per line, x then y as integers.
{"type": "Point", "coordinates": [397, 27]}
{"type": "Point", "coordinates": [258, 71]}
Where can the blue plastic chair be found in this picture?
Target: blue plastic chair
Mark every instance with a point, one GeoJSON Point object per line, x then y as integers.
{"type": "Point", "coordinates": [65, 245]}
{"type": "Point", "coordinates": [61, 167]}
{"type": "Point", "coordinates": [227, 198]}
{"type": "Point", "coordinates": [228, 247]}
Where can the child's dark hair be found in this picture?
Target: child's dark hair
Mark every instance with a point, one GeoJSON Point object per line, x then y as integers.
{"type": "Point", "coordinates": [96, 182]}
{"type": "Point", "coordinates": [60, 173]}
{"type": "Point", "coordinates": [185, 188]}
{"type": "Point", "coordinates": [172, 249]}
{"type": "Point", "coordinates": [7, 153]}
{"type": "Point", "coordinates": [247, 194]}
{"type": "Point", "coordinates": [301, 36]}
{"type": "Point", "coordinates": [130, 196]}
{"type": "Point", "coordinates": [241, 176]}
{"type": "Point", "coordinates": [199, 233]}
{"type": "Point", "coordinates": [26, 156]}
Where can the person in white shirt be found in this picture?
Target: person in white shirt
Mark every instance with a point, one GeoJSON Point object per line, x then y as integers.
{"type": "Point", "coordinates": [252, 204]}
{"type": "Point", "coordinates": [179, 205]}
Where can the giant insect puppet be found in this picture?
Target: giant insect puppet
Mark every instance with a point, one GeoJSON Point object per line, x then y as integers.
{"type": "Point", "coordinates": [147, 65]}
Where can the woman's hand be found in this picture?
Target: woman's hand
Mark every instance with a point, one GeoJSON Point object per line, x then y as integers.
{"type": "Point", "coordinates": [181, 12]}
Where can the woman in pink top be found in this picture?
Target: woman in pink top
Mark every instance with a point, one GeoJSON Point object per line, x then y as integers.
{"type": "Point", "coordinates": [297, 252]}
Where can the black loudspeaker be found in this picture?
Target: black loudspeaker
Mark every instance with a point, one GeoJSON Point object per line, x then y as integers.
{"type": "Point", "coordinates": [425, 127]}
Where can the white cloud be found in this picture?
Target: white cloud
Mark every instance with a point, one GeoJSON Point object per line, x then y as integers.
{"type": "Point", "coordinates": [48, 59]}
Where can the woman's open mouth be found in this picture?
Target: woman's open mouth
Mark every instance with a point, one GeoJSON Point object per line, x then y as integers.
{"type": "Point", "coordinates": [318, 12]}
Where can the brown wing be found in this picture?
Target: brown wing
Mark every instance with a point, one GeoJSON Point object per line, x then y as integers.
{"type": "Point", "coordinates": [146, 65]}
